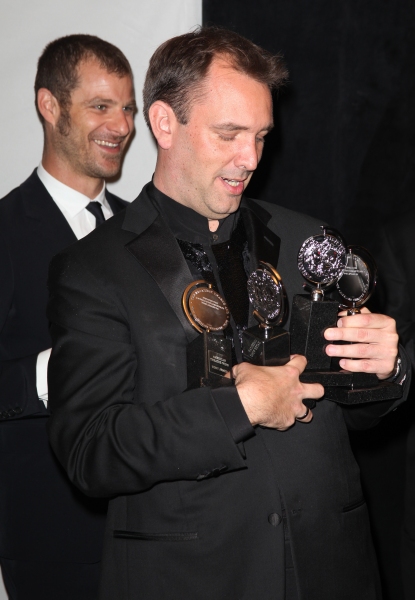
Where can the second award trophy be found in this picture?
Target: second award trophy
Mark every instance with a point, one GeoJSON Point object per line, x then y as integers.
{"type": "Point", "coordinates": [209, 355]}
{"type": "Point", "coordinates": [267, 343]}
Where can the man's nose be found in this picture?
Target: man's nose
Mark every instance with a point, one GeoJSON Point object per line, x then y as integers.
{"type": "Point", "coordinates": [121, 123]}
{"type": "Point", "coordinates": [248, 156]}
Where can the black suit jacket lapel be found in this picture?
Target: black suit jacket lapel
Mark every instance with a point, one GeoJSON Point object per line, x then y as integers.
{"type": "Point", "coordinates": [159, 254]}
{"type": "Point", "coordinates": [45, 215]}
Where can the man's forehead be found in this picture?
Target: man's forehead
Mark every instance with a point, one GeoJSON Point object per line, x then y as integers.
{"type": "Point", "coordinates": [222, 85]}
{"type": "Point", "coordinates": [91, 72]}
{"type": "Point", "coordinates": [92, 68]}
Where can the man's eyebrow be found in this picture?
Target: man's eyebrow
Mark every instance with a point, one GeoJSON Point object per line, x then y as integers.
{"type": "Point", "coordinates": [110, 101]}
{"type": "Point", "coordinates": [229, 126]}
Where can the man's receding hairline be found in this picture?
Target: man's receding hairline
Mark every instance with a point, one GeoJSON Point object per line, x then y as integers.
{"type": "Point", "coordinates": [198, 90]}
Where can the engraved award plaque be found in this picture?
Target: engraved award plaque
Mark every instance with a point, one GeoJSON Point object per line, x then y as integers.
{"type": "Point", "coordinates": [267, 343]}
{"type": "Point", "coordinates": [321, 261]}
{"type": "Point", "coordinates": [209, 356]}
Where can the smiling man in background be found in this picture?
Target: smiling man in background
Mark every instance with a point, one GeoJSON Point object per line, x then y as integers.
{"type": "Point", "coordinates": [50, 534]}
{"type": "Point", "coordinates": [225, 493]}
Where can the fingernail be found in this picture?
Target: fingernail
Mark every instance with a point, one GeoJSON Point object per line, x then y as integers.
{"type": "Point", "coordinates": [340, 323]}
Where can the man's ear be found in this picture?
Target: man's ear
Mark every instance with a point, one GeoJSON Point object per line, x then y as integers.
{"type": "Point", "coordinates": [48, 106]}
{"type": "Point", "coordinates": [163, 123]}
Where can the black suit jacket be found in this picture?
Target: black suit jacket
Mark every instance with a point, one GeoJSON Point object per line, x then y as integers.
{"type": "Point", "coordinates": [42, 515]}
{"type": "Point", "coordinates": [193, 514]}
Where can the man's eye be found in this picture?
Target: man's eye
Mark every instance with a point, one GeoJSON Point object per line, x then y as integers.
{"type": "Point", "coordinates": [100, 106]}
{"type": "Point", "coordinates": [130, 109]}
{"type": "Point", "coordinates": [260, 140]}
{"type": "Point", "coordinates": [227, 138]}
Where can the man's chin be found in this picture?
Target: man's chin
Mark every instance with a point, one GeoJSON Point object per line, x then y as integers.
{"type": "Point", "coordinates": [108, 170]}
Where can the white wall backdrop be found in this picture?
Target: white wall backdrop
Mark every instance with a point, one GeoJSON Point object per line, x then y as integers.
{"type": "Point", "coordinates": [135, 26]}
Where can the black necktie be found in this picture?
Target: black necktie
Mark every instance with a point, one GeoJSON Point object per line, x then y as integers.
{"type": "Point", "coordinates": [95, 209]}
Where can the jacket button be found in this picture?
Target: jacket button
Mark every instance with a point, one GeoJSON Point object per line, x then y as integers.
{"type": "Point", "coordinates": [274, 519]}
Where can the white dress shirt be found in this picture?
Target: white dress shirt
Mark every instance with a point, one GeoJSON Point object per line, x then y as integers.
{"type": "Point", "coordinates": [72, 205]}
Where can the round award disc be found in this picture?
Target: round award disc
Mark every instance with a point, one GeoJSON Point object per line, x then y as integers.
{"type": "Point", "coordinates": [357, 283]}
{"type": "Point", "coordinates": [204, 307]}
{"type": "Point", "coordinates": [266, 294]}
{"type": "Point", "coordinates": [322, 258]}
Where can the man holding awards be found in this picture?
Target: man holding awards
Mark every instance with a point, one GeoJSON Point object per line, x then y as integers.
{"type": "Point", "coordinates": [218, 491]}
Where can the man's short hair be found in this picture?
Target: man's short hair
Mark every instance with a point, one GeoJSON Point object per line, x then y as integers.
{"type": "Point", "coordinates": [57, 68]}
{"type": "Point", "coordinates": [178, 67]}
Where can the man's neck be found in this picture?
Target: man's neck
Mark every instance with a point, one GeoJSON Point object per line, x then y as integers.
{"type": "Point", "coordinates": [213, 224]}
{"type": "Point", "coordinates": [89, 186]}
{"type": "Point", "coordinates": [163, 185]}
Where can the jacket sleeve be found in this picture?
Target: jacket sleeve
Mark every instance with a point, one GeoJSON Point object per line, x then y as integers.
{"type": "Point", "coordinates": [109, 441]}
{"type": "Point", "coordinates": [18, 393]}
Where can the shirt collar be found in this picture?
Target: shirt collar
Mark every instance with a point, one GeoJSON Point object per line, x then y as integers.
{"type": "Point", "coordinates": [188, 225]}
{"type": "Point", "coordinates": [70, 200]}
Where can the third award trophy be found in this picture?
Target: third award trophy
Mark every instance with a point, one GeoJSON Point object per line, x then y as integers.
{"type": "Point", "coordinates": [325, 261]}
{"type": "Point", "coordinates": [321, 261]}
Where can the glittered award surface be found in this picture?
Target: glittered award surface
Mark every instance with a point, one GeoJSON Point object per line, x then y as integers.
{"type": "Point", "coordinates": [321, 261]}
{"type": "Point", "coordinates": [209, 355]}
{"type": "Point", "coordinates": [267, 343]}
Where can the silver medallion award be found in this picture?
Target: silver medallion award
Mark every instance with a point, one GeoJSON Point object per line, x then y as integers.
{"type": "Point", "coordinates": [209, 356]}
{"type": "Point", "coordinates": [267, 343]}
{"type": "Point", "coordinates": [321, 261]}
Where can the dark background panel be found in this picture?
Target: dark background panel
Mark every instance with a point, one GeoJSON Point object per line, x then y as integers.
{"type": "Point", "coordinates": [343, 150]}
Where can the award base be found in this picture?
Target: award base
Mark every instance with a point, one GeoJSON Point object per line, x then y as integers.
{"type": "Point", "coordinates": [266, 346]}
{"type": "Point", "coordinates": [345, 387]}
{"type": "Point", "coordinates": [340, 378]}
{"type": "Point", "coordinates": [383, 391]}
{"type": "Point", "coordinates": [309, 320]}
{"type": "Point", "coordinates": [209, 358]}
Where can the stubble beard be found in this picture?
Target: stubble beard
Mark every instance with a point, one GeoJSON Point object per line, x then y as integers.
{"type": "Point", "coordinates": [80, 159]}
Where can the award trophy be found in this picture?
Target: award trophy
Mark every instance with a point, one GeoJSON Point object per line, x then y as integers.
{"type": "Point", "coordinates": [355, 282]}
{"type": "Point", "coordinates": [321, 260]}
{"type": "Point", "coordinates": [209, 356]}
{"type": "Point", "coordinates": [267, 343]}
{"type": "Point", "coordinates": [355, 287]}
{"type": "Point", "coordinates": [358, 281]}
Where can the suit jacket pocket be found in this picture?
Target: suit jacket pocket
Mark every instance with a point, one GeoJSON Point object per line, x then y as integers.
{"type": "Point", "coordinates": [186, 536]}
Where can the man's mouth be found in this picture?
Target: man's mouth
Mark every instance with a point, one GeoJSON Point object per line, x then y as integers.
{"type": "Point", "coordinates": [234, 186]}
{"type": "Point", "coordinates": [232, 182]}
{"type": "Point", "coordinates": [107, 144]}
